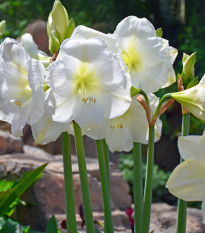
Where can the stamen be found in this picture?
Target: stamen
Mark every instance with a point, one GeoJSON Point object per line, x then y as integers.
{"type": "Point", "coordinates": [18, 103]}
{"type": "Point", "coordinates": [88, 100]}
{"type": "Point", "coordinates": [119, 126]}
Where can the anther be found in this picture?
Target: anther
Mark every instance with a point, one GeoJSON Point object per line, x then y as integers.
{"type": "Point", "coordinates": [18, 103]}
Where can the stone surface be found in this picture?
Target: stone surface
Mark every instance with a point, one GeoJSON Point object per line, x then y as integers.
{"type": "Point", "coordinates": [9, 143]}
{"type": "Point", "coordinates": [47, 197]}
{"type": "Point", "coordinates": [38, 29]}
{"type": "Point", "coordinates": [163, 219]}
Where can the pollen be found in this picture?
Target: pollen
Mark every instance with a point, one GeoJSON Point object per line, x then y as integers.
{"type": "Point", "coordinates": [18, 103]}
{"type": "Point", "coordinates": [88, 100]}
{"type": "Point", "coordinates": [114, 125]}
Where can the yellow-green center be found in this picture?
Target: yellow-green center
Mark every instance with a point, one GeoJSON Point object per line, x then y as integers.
{"type": "Point", "coordinates": [131, 56]}
{"type": "Point", "coordinates": [23, 90]}
{"type": "Point", "coordinates": [86, 83]}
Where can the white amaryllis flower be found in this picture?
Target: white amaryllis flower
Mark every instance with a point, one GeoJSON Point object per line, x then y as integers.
{"type": "Point", "coordinates": [32, 49]}
{"type": "Point", "coordinates": [82, 32]}
{"type": "Point", "coordinates": [45, 130]}
{"type": "Point", "coordinates": [132, 126]}
{"type": "Point", "coordinates": [187, 181]}
{"type": "Point", "coordinates": [193, 99]}
{"type": "Point", "coordinates": [87, 84]}
{"type": "Point", "coordinates": [149, 58]}
{"type": "Point", "coordinates": [21, 91]}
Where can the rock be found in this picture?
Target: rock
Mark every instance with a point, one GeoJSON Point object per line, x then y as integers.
{"type": "Point", "coordinates": [47, 196]}
{"type": "Point", "coordinates": [120, 221]}
{"type": "Point", "coordinates": [163, 219]}
{"type": "Point", "coordinates": [9, 143]}
{"type": "Point", "coordinates": [38, 29]}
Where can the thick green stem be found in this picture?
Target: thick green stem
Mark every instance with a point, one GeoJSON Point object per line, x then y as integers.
{"type": "Point", "coordinates": [105, 188]}
{"type": "Point", "coordinates": [181, 211]}
{"type": "Point", "coordinates": [137, 153]}
{"type": "Point", "coordinates": [148, 183]}
{"type": "Point", "coordinates": [136, 91]}
{"type": "Point", "coordinates": [107, 160]}
{"type": "Point", "coordinates": [69, 194]}
{"type": "Point", "coordinates": [145, 96]}
{"type": "Point", "coordinates": [84, 179]}
{"type": "Point", "coordinates": [162, 100]}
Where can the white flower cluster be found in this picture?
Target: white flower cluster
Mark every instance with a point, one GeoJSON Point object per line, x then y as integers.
{"type": "Point", "coordinates": [88, 83]}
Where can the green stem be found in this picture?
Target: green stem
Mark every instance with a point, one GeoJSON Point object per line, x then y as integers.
{"type": "Point", "coordinates": [137, 153]}
{"type": "Point", "coordinates": [162, 100]}
{"type": "Point", "coordinates": [136, 91]}
{"type": "Point", "coordinates": [104, 187]}
{"type": "Point", "coordinates": [148, 183]}
{"type": "Point", "coordinates": [107, 165]}
{"type": "Point", "coordinates": [84, 179]}
{"type": "Point", "coordinates": [145, 96]}
{"type": "Point", "coordinates": [69, 194]}
{"type": "Point", "coordinates": [181, 211]}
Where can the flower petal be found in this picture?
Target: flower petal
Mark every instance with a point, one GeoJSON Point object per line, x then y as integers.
{"type": "Point", "coordinates": [191, 147]}
{"type": "Point", "coordinates": [35, 74]}
{"type": "Point", "coordinates": [84, 50]}
{"type": "Point", "coordinates": [193, 99]}
{"type": "Point", "coordinates": [58, 108]}
{"type": "Point", "coordinates": [82, 32]}
{"type": "Point", "coordinates": [12, 51]}
{"type": "Point", "coordinates": [7, 112]}
{"type": "Point", "coordinates": [203, 211]}
{"type": "Point", "coordinates": [32, 48]}
{"type": "Point", "coordinates": [130, 24]}
{"type": "Point", "coordinates": [19, 121]}
{"type": "Point", "coordinates": [60, 76]}
{"type": "Point", "coordinates": [37, 105]}
{"type": "Point", "coordinates": [88, 115]}
{"type": "Point", "coordinates": [46, 130]}
{"type": "Point", "coordinates": [187, 180]}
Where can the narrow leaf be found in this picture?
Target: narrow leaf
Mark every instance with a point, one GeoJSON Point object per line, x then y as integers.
{"type": "Point", "coordinates": [26, 181]}
{"type": "Point", "coordinates": [52, 226]}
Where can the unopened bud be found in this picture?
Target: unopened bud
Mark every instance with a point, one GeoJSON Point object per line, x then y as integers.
{"type": "Point", "coordinates": [59, 27]}
{"type": "Point", "coordinates": [2, 28]}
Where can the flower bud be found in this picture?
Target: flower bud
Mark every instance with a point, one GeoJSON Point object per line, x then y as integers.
{"type": "Point", "coordinates": [59, 27]}
{"type": "Point", "coordinates": [193, 99]}
{"type": "Point", "coordinates": [188, 76]}
{"type": "Point", "coordinates": [159, 32]}
{"type": "Point", "coordinates": [2, 27]}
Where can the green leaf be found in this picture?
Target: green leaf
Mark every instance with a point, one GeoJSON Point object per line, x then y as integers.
{"type": "Point", "coordinates": [188, 68]}
{"type": "Point", "coordinates": [193, 83]}
{"type": "Point", "coordinates": [71, 27]}
{"type": "Point", "coordinates": [159, 32]}
{"type": "Point", "coordinates": [26, 181]}
{"type": "Point", "coordinates": [6, 185]}
{"type": "Point", "coordinates": [8, 225]}
{"type": "Point", "coordinates": [52, 226]}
